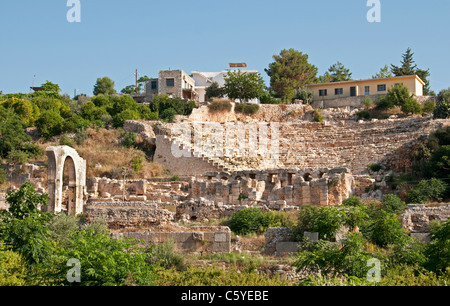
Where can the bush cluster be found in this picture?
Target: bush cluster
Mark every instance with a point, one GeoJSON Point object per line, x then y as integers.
{"type": "Point", "coordinates": [246, 109]}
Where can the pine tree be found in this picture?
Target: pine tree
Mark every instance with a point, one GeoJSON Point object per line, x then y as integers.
{"type": "Point", "coordinates": [336, 73]}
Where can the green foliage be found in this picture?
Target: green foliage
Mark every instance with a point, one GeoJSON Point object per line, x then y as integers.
{"type": "Point", "coordinates": [23, 226]}
{"type": "Point", "coordinates": [385, 72]}
{"type": "Point", "coordinates": [254, 220]}
{"type": "Point", "coordinates": [12, 131]}
{"type": "Point", "coordinates": [442, 109]}
{"type": "Point", "coordinates": [367, 102]}
{"type": "Point", "coordinates": [104, 86]}
{"type": "Point", "coordinates": [329, 258]}
{"type": "Point", "coordinates": [307, 96]}
{"type": "Point", "coordinates": [411, 106]}
{"type": "Point", "coordinates": [336, 73]}
{"type": "Point", "coordinates": [219, 106]}
{"type": "Point", "coordinates": [50, 87]}
{"type": "Point", "coordinates": [81, 136]}
{"type": "Point", "coordinates": [175, 178]}
{"type": "Point", "coordinates": [66, 141]}
{"type": "Point", "coordinates": [429, 106]}
{"type": "Point", "coordinates": [353, 201]}
{"type": "Point", "coordinates": [427, 190]}
{"type": "Point", "coordinates": [104, 261]}
{"type": "Point", "coordinates": [408, 67]}
{"type": "Point", "coordinates": [146, 113]}
{"type": "Point", "coordinates": [363, 114]}
{"type": "Point", "coordinates": [13, 269]}
{"type": "Point", "coordinates": [168, 114]}
{"type": "Point", "coordinates": [119, 119]}
{"type": "Point", "coordinates": [137, 163]}
{"type": "Point", "coordinates": [27, 111]}
{"type": "Point", "coordinates": [247, 109]}
{"type": "Point", "coordinates": [386, 229]}
{"type": "Point", "coordinates": [214, 276]}
{"type": "Point", "coordinates": [438, 250]}
{"type": "Point", "coordinates": [317, 116]}
{"type": "Point", "coordinates": [375, 167]}
{"type": "Point", "coordinates": [243, 85]}
{"type": "Point", "coordinates": [214, 91]}
{"type": "Point", "coordinates": [3, 176]}
{"type": "Point", "coordinates": [413, 276]}
{"type": "Point", "coordinates": [290, 70]}
{"type": "Point", "coordinates": [129, 139]}
{"type": "Point", "coordinates": [393, 204]}
{"type": "Point", "coordinates": [165, 256]}
{"type": "Point", "coordinates": [268, 98]}
{"type": "Point", "coordinates": [50, 123]}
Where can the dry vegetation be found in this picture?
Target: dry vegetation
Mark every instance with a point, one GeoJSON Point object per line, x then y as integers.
{"type": "Point", "coordinates": [106, 157]}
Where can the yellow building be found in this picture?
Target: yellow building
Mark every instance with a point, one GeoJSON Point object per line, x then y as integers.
{"type": "Point", "coordinates": [335, 90]}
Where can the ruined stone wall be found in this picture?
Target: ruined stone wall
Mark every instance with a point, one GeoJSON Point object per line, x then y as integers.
{"type": "Point", "coordinates": [119, 215]}
{"type": "Point", "coordinates": [200, 239]}
{"type": "Point", "coordinates": [164, 193]}
{"type": "Point", "coordinates": [417, 218]}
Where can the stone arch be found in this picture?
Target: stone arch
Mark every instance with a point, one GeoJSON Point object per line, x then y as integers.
{"type": "Point", "coordinates": [58, 157]}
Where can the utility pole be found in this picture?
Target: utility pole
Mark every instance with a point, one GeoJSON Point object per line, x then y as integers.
{"type": "Point", "coordinates": [136, 81]}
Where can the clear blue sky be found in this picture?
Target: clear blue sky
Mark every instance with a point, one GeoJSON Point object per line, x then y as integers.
{"type": "Point", "coordinates": [116, 37]}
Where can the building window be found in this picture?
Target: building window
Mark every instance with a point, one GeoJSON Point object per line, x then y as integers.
{"type": "Point", "coordinates": [154, 85]}
{"type": "Point", "coordinates": [367, 90]}
{"type": "Point", "coordinates": [382, 87]}
{"type": "Point", "coordinates": [322, 92]}
{"type": "Point", "coordinates": [170, 82]}
{"type": "Point", "coordinates": [339, 91]}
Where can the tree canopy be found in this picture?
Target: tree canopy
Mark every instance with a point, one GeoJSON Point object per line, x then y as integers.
{"type": "Point", "coordinates": [104, 86]}
{"type": "Point", "coordinates": [243, 85]}
{"type": "Point", "coordinates": [336, 73]}
{"type": "Point", "coordinates": [290, 70]}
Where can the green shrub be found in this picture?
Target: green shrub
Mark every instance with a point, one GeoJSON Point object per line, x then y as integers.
{"type": "Point", "coordinates": [129, 139]}
{"type": "Point", "coordinates": [367, 102]}
{"type": "Point", "coordinates": [375, 167]}
{"type": "Point", "coordinates": [168, 114]}
{"type": "Point", "coordinates": [80, 136]}
{"type": "Point", "coordinates": [247, 109]}
{"type": "Point", "coordinates": [13, 269]}
{"type": "Point", "coordinates": [214, 276]}
{"type": "Point", "coordinates": [363, 115]}
{"type": "Point", "coordinates": [137, 163]}
{"type": "Point", "coordinates": [164, 255]}
{"type": "Point", "coordinates": [393, 204]}
{"type": "Point", "coordinates": [66, 141]}
{"type": "Point", "coordinates": [438, 250]}
{"type": "Point", "coordinates": [429, 106]}
{"type": "Point", "coordinates": [317, 116]}
{"type": "Point", "coordinates": [386, 229]}
{"type": "Point", "coordinates": [253, 220]}
{"type": "Point", "coordinates": [219, 106]}
{"type": "Point", "coordinates": [411, 106]}
{"type": "Point", "coordinates": [50, 123]}
{"type": "Point", "coordinates": [353, 201]}
{"type": "Point", "coordinates": [427, 190]}
{"type": "Point", "coordinates": [128, 114]}
{"type": "Point", "coordinates": [3, 176]}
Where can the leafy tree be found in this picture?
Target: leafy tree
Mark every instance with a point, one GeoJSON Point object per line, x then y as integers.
{"type": "Point", "coordinates": [23, 226]}
{"type": "Point", "coordinates": [304, 94]}
{"type": "Point", "coordinates": [27, 111]}
{"type": "Point", "coordinates": [426, 190]}
{"type": "Point", "coordinates": [290, 70]}
{"type": "Point", "coordinates": [408, 67]}
{"type": "Point", "coordinates": [119, 119]}
{"type": "Point", "coordinates": [168, 114]}
{"type": "Point", "coordinates": [50, 123]}
{"type": "Point", "coordinates": [214, 91]}
{"type": "Point", "coordinates": [384, 73]}
{"type": "Point", "coordinates": [336, 73]}
{"type": "Point", "coordinates": [130, 90]}
{"type": "Point", "coordinates": [105, 261]}
{"type": "Point", "coordinates": [438, 250]}
{"type": "Point", "coordinates": [121, 104]}
{"type": "Point", "coordinates": [50, 87]}
{"type": "Point", "coordinates": [12, 132]}
{"type": "Point", "coordinates": [104, 86]}
{"type": "Point", "coordinates": [411, 106]}
{"type": "Point", "coordinates": [386, 229]}
{"type": "Point", "coordinates": [393, 204]}
{"type": "Point", "coordinates": [243, 86]}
